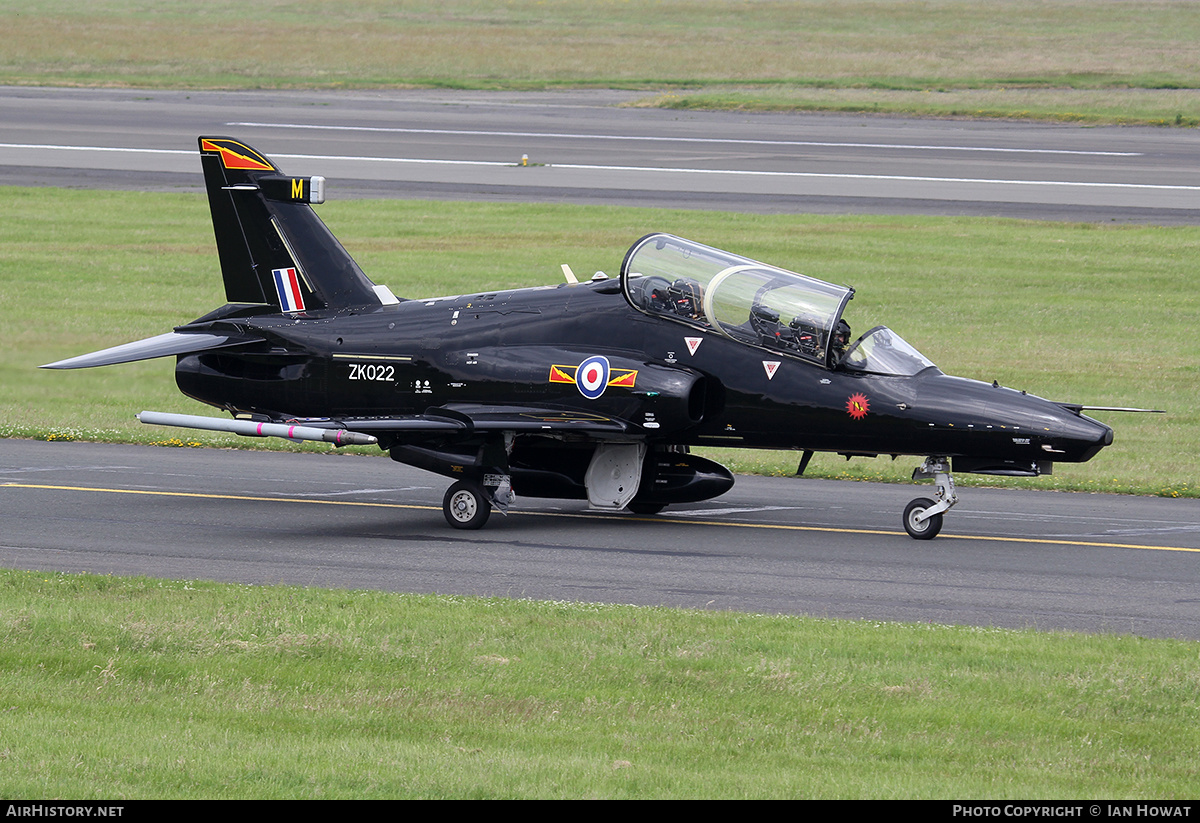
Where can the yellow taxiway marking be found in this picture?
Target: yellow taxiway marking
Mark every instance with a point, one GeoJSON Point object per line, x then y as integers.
{"type": "Point", "coordinates": [204, 495]}
{"type": "Point", "coordinates": [775, 526]}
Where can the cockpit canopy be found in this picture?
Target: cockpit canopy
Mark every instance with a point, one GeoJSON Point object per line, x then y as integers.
{"type": "Point", "coordinates": [882, 351]}
{"type": "Point", "coordinates": [757, 304]}
{"type": "Point", "coordinates": [743, 299]}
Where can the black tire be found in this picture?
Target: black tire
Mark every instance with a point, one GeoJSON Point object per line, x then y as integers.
{"type": "Point", "coordinates": [925, 530]}
{"type": "Point", "coordinates": [465, 506]}
{"type": "Point", "coordinates": [646, 508]}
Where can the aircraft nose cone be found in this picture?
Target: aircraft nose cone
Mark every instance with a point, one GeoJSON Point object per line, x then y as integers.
{"type": "Point", "coordinates": [1089, 435]}
{"type": "Point", "coordinates": [1016, 420]}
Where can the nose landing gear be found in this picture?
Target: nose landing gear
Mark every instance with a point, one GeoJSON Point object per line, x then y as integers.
{"type": "Point", "coordinates": [922, 516]}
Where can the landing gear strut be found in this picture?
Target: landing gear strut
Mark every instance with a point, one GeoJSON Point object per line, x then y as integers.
{"type": "Point", "coordinates": [922, 516]}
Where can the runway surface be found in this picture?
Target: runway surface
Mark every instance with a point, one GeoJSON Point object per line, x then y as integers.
{"type": "Point", "coordinates": [1096, 563]}
{"type": "Point", "coordinates": [584, 147]}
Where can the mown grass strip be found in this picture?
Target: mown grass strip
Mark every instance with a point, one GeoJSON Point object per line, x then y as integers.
{"type": "Point", "coordinates": [127, 688]}
{"type": "Point", "coordinates": [1074, 60]}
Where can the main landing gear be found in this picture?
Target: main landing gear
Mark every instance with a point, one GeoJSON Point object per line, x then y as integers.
{"type": "Point", "coordinates": [465, 506]}
{"type": "Point", "coordinates": [468, 504]}
{"type": "Point", "coordinates": [922, 516]}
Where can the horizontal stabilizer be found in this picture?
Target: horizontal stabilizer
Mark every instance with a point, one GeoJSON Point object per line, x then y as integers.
{"type": "Point", "coordinates": [163, 345]}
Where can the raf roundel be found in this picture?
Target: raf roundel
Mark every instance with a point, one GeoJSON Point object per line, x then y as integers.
{"type": "Point", "coordinates": [592, 377]}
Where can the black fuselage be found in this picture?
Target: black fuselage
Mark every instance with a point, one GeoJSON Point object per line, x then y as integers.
{"type": "Point", "coordinates": [519, 346]}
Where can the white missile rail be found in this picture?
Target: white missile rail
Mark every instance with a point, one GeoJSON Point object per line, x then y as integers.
{"type": "Point", "coordinates": [253, 428]}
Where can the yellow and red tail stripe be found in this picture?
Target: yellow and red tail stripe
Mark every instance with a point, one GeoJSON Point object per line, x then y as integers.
{"type": "Point", "coordinates": [234, 155]}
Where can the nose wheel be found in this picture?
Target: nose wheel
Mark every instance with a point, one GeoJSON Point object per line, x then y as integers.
{"type": "Point", "coordinates": [922, 516]}
{"type": "Point", "coordinates": [918, 524]}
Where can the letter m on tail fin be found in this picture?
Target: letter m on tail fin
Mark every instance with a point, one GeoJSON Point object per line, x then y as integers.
{"type": "Point", "coordinates": [273, 247]}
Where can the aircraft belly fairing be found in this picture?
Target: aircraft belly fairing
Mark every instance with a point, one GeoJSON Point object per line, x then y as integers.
{"type": "Point", "coordinates": [592, 390]}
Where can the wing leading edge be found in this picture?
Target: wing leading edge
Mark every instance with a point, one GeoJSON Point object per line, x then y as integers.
{"type": "Point", "coordinates": [459, 420]}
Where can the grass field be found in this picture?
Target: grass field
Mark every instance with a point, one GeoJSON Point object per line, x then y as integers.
{"type": "Point", "coordinates": [1096, 314]}
{"type": "Point", "coordinates": [1073, 60]}
{"type": "Point", "coordinates": [140, 688]}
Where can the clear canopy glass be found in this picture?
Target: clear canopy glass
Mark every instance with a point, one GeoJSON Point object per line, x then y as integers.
{"type": "Point", "coordinates": [748, 301]}
{"type": "Point", "coordinates": [882, 351]}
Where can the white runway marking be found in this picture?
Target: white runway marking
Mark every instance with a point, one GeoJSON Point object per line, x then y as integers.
{"type": "Point", "coordinates": [650, 139]}
{"type": "Point", "coordinates": [642, 169]}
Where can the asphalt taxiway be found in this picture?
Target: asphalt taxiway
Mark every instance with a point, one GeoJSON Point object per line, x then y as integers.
{"type": "Point", "coordinates": [1055, 561]}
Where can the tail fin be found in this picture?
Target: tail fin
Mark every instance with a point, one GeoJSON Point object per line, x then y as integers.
{"type": "Point", "coordinates": [273, 247]}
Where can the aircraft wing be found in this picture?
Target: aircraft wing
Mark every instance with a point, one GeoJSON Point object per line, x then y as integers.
{"type": "Point", "coordinates": [162, 345]}
{"type": "Point", "coordinates": [454, 419]}
{"type": "Point", "coordinates": [466, 418]}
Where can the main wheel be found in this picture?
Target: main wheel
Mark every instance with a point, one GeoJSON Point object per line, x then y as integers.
{"type": "Point", "coordinates": [465, 506]}
{"type": "Point", "coordinates": [926, 529]}
{"type": "Point", "coordinates": [645, 508]}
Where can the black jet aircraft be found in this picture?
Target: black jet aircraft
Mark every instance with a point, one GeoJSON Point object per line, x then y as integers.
{"type": "Point", "coordinates": [593, 391]}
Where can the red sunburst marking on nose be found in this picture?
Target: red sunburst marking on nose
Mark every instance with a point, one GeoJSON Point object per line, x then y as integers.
{"type": "Point", "coordinates": [858, 406]}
